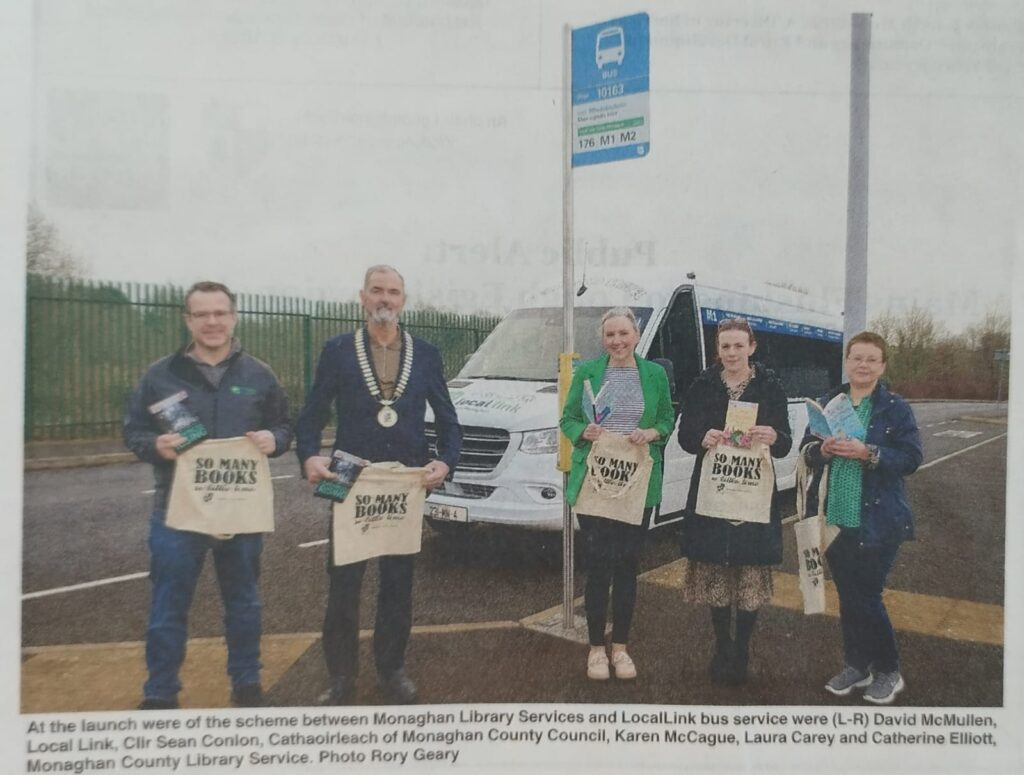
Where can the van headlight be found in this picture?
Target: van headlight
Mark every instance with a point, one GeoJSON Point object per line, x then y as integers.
{"type": "Point", "coordinates": [542, 442]}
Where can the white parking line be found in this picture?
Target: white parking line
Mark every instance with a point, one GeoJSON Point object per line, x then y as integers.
{"type": "Point", "coordinates": [321, 542]}
{"type": "Point", "coordinates": [961, 451]}
{"type": "Point", "coordinates": [83, 585]}
{"type": "Point", "coordinates": [929, 464]}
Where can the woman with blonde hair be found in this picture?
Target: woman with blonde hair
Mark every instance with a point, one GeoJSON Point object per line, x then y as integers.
{"type": "Point", "coordinates": [637, 391]}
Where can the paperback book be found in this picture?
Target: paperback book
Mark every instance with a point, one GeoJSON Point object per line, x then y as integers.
{"type": "Point", "coordinates": [174, 416]}
{"type": "Point", "coordinates": [836, 419]}
{"type": "Point", "coordinates": [740, 417]}
{"type": "Point", "coordinates": [346, 468]}
{"type": "Point", "coordinates": [596, 408]}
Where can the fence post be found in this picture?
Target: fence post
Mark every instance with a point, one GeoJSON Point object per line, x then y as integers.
{"type": "Point", "coordinates": [29, 419]}
{"type": "Point", "coordinates": [307, 354]}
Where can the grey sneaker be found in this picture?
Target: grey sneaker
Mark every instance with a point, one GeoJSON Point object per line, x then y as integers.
{"type": "Point", "coordinates": [848, 679]}
{"type": "Point", "coordinates": [884, 688]}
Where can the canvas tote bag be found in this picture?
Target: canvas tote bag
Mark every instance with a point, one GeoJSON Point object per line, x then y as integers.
{"type": "Point", "coordinates": [813, 537]}
{"type": "Point", "coordinates": [736, 484]}
{"type": "Point", "coordinates": [382, 514]}
{"type": "Point", "coordinates": [615, 484]}
{"type": "Point", "coordinates": [222, 487]}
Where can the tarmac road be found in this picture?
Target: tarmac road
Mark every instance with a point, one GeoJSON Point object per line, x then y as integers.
{"type": "Point", "coordinates": [89, 526]}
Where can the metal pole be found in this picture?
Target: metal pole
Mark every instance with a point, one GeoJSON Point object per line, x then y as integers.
{"type": "Point", "coordinates": [855, 302]}
{"type": "Point", "coordinates": [567, 308]}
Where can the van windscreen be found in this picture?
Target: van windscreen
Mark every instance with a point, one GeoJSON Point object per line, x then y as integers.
{"type": "Point", "coordinates": [525, 345]}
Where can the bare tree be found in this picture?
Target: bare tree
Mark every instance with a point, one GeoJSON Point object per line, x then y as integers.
{"type": "Point", "coordinates": [45, 253]}
{"type": "Point", "coordinates": [928, 362]}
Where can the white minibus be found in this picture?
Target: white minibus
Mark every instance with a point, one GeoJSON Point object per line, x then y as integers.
{"type": "Point", "coordinates": [506, 395]}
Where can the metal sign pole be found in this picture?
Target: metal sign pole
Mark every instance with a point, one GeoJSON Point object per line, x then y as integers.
{"type": "Point", "coordinates": [855, 306]}
{"type": "Point", "coordinates": [567, 305]}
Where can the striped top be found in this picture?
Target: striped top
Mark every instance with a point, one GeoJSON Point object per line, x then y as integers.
{"type": "Point", "coordinates": [624, 396]}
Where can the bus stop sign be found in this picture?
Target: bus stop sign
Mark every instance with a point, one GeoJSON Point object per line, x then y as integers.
{"type": "Point", "coordinates": [610, 89]}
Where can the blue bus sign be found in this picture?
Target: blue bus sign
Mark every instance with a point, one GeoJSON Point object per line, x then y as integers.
{"type": "Point", "coordinates": [610, 89]}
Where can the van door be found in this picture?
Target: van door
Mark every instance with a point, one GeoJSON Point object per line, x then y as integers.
{"type": "Point", "coordinates": [677, 340]}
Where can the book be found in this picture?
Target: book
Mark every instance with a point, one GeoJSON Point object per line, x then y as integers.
{"type": "Point", "coordinates": [595, 408]}
{"type": "Point", "coordinates": [346, 468]}
{"type": "Point", "coordinates": [174, 416]}
{"type": "Point", "coordinates": [836, 419]}
{"type": "Point", "coordinates": [740, 417]}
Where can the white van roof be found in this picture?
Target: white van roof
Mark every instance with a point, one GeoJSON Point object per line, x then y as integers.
{"type": "Point", "coordinates": [655, 287]}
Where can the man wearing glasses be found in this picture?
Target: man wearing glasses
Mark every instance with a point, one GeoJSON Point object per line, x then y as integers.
{"type": "Point", "coordinates": [232, 394]}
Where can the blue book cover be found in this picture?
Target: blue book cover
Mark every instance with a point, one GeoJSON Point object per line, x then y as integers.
{"type": "Point", "coordinates": [837, 419]}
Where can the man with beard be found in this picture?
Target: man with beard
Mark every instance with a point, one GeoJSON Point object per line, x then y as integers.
{"type": "Point", "coordinates": [380, 380]}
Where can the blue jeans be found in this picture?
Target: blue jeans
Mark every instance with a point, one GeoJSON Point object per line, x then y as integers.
{"type": "Point", "coordinates": [176, 559]}
{"type": "Point", "coordinates": [859, 573]}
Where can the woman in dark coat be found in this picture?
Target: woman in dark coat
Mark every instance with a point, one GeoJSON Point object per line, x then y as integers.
{"type": "Point", "coordinates": [730, 560]}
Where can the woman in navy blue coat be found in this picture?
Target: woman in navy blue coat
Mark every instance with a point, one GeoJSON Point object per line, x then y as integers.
{"type": "Point", "coordinates": [867, 501]}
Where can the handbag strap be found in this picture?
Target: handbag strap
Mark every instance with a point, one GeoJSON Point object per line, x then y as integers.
{"type": "Point", "coordinates": [803, 473]}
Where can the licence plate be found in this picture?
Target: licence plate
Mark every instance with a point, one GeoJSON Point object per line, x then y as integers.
{"type": "Point", "coordinates": [443, 513]}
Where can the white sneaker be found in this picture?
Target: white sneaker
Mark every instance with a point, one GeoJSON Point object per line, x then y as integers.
{"type": "Point", "coordinates": [625, 670]}
{"type": "Point", "coordinates": [597, 666]}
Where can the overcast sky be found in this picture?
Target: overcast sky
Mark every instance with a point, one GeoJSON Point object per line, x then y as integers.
{"type": "Point", "coordinates": [282, 147]}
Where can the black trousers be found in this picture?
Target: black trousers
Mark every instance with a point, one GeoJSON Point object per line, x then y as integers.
{"type": "Point", "coordinates": [394, 616]}
{"type": "Point", "coordinates": [611, 556]}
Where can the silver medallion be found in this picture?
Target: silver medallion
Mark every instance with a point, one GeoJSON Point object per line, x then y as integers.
{"type": "Point", "coordinates": [387, 417]}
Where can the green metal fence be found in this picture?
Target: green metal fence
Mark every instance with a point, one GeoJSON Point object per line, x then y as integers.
{"type": "Point", "coordinates": [87, 343]}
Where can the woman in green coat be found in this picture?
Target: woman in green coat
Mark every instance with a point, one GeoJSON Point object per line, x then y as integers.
{"type": "Point", "coordinates": [637, 391]}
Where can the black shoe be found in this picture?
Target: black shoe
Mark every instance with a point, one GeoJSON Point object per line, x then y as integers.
{"type": "Point", "coordinates": [342, 691]}
{"type": "Point", "coordinates": [721, 664]}
{"type": "Point", "coordinates": [156, 703]}
{"type": "Point", "coordinates": [738, 668]}
{"type": "Point", "coordinates": [248, 696]}
{"type": "Point", "coordinates": [398, 688]}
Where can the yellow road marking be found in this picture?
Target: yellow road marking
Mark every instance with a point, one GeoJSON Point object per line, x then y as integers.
{"type": "Point", "coordinates": [109, 676]}
{"type": "Point", "coordinates": [65, 678]}
{"type": "Point", "coordinates": [941, 617]}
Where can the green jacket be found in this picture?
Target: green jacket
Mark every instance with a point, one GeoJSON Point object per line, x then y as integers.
{"type": "Point", "coordinates": [658, 414]}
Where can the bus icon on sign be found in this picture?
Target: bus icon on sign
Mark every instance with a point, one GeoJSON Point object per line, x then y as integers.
{"type": "Point", "coordinates": [611, 47]}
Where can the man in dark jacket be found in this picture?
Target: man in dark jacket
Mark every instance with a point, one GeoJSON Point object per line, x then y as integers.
{"type": "Point", "coordinates": [232, 394]}
{"type": "Point", "coordinates": [379, 380]}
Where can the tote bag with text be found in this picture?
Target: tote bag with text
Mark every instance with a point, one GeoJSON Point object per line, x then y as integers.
{"type": "Point", "coordinates": [736, 484]}
{"type": "Point", "coordinates": [382, 514]}
{"type": "Point", "coordinates": [615, 484]}
{"type": "Point", "coordinates": [222, 487]}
